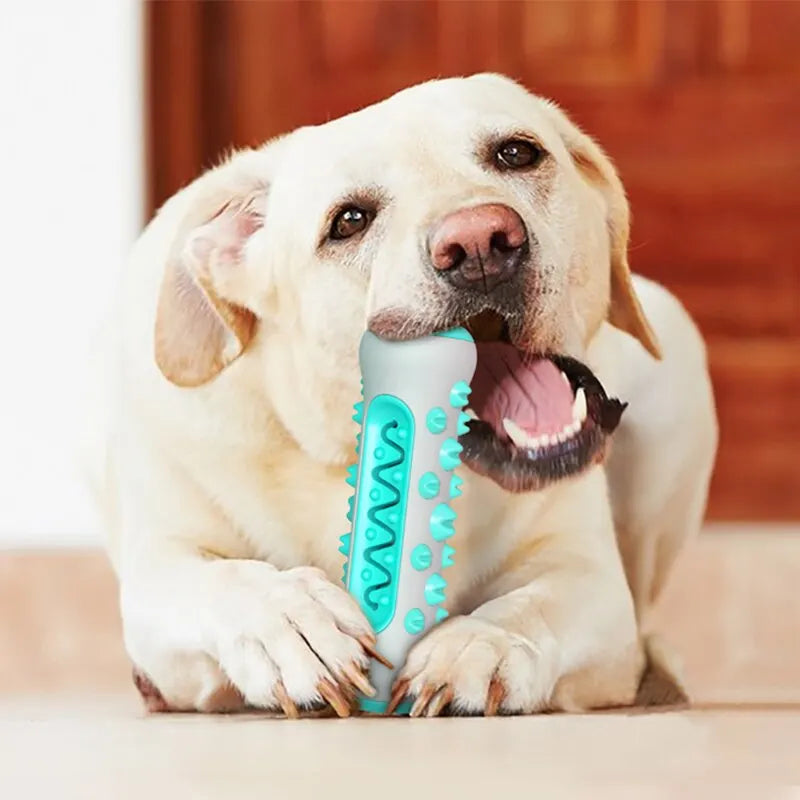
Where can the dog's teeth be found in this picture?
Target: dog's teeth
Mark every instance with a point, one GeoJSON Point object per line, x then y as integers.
{"type": "Point", "coordinates": [515, 433]}
{"type": "Point", "coordinates": [470, 413]}
{"type": "Point", "coordinates": [566, 380]}
{"type": "Point", "coordinates": [562, 437]}
{"type": "Point", "coordinates": [570, 430]}
{"type": "Point", "coordinates": [545, 440]}
{"type": "Point", "coordinates": [579, 406]}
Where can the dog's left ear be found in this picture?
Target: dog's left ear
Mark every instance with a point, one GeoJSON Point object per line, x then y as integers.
{"type": "Point", "coordinates": [202, 321]}
{"type": "Point", "coordinates": [625, 311]}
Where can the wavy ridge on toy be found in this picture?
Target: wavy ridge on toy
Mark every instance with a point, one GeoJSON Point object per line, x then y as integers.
{"type": "Point", "coordinates": [372, 514]}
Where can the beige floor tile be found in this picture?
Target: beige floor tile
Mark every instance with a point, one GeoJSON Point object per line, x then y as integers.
{"type": "Point", "coordinates": [105, 748]}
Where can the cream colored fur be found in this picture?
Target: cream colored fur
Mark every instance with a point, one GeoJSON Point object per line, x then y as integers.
{"type": "Point", "coordinates": [220, 469]}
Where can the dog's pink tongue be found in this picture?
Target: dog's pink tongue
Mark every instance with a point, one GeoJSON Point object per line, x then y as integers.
{"type": "Point", "coordinates": [529, 391]}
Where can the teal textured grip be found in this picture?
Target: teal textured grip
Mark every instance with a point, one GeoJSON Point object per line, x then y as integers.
{"type": "Point", "coordinates": [402, 524]}
{"type": "Point", "coordinates": [387, 436]}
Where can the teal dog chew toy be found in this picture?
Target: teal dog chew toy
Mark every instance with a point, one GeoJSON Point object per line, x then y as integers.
{"type": "Point", "coordinates": [402, 523]}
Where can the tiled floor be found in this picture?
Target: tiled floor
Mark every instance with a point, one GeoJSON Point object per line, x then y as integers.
{"type": "Point", "coordinates": [107, 749]}
{"type": "Point", "coordinates": [71, 726]}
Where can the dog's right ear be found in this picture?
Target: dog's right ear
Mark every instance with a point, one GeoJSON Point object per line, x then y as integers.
{"type": "Point", "coordinates": [625, 311]}
{"type": "Point", "coordinates": [202, 321]}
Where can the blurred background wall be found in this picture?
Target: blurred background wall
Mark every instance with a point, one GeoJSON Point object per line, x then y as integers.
{"type": "Point", "coordinates": [72, 178]}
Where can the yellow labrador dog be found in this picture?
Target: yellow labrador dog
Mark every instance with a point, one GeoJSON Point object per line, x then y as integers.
{"type": "Point", "coordinates": [460, 201]}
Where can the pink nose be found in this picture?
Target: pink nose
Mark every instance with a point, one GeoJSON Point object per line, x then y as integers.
{"type": "Point", "coordinates": [479, 247]}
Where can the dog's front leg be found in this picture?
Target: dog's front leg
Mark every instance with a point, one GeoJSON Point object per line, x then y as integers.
{"type": "Point", "coordinates": [222, 634]}
{"type": "Point", "coordinates": [560, 633]}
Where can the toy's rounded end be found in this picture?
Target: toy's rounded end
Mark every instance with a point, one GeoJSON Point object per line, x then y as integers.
{"type": "Point", "coordinates": [456, 333]}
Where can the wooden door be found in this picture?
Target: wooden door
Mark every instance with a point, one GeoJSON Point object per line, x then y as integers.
{"type": "Point", "coordinates": [698, 103]}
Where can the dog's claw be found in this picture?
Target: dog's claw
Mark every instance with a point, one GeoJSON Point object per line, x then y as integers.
{"type": "Point", "coordinates": [440, 700]}
{"type": "Point", "coordinates": [423, 698]}
{"type": "Point", "coordinates": [286, 703]}
{"type": "Point", "coordinates": [333, 696]}
{"type": "Point", "coordinates": [495, 695]}
{"type": "Point", "coordinates": [398, 693]}
{"type": "Point", "coordinates": [154, 701]}
{"type": "Point", "coordinates": [358, 679]}
{"type": "Point", "coordinates": [368, 646]}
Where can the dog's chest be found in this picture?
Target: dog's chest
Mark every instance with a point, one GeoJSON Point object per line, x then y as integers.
{"type": "Point", "coordinates": [296, 513]}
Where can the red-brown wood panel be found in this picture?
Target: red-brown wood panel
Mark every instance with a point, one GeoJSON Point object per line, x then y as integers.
{"type": "Point", "coordinates": [175, 94]}
{"type": "Point", "coordinates": [697, 102]}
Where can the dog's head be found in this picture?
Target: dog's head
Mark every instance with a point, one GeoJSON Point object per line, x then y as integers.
{"type": "Point", "coordinates": [456, 202]}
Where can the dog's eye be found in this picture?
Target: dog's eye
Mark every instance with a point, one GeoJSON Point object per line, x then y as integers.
{"type": "Point", "coordinates": [518, 154]}
{"type": "Point", "coordinates": [348, 222]}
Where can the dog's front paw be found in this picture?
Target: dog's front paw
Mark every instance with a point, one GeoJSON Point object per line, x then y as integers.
{"type": "Point", "coordinates": [295, 639]}
{"type": "Point", "coordinates": [470, 666]}
{"type": "Point", "coordinates": [282, 640]}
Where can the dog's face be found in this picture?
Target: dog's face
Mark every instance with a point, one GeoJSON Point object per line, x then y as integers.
{"type": "Point", "coordinates": [457, 202]}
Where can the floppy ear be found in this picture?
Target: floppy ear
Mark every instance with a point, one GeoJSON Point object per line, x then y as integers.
{"type": "Point", "coordinates": [202, 323]}
{"type": "Point", "coordinates": [624, 311]}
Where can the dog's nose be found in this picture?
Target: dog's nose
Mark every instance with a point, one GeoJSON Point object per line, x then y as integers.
{"type": "Point", "coordinates": [479, 247]}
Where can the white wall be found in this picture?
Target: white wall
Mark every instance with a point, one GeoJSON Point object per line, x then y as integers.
{"type": "Point", "coordinates": [71, 167]}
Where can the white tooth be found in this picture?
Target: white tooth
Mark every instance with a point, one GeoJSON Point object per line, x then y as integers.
{"type": "Point", "coordinates": [515, 433]}
{"type": "Point", "coordinates": [534, 442]}
{"type": "Point", "coordinates": [574, 428]}
{"type": "Point", "coordinates": [562, 437]}
{"type": "Point", "coordinates": [579, 406]}
{"type": "Point", "coordinates": [566, 380]}
{"type": "Point", "coordinates": [566, 431]}
{"type": "Point", "coordinates": [546, 440]}
{"type": "Point", "coordinates": [470, 413]}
